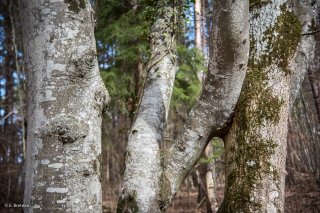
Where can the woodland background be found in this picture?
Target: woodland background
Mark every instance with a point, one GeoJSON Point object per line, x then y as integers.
{"type": "Point", "coordinates": [123, 49]}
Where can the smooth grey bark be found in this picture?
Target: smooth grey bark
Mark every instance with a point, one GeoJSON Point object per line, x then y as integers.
{"type": "Point", "coordinates": [140, 189]}
{"type": "Point", "coordinates": [256, 143]}
{"type": "Point", "coordinates": [66, 97]}
{"type": "Point", "coordinates": [221, 89]}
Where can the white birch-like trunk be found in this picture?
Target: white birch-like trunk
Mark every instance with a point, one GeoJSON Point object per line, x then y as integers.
{"type": "Point", "coordinates": [221, 89]}
{"type": "Point", "coordinates": [256, 143]}
{"type": "Point", "coordinates": [197, 30]}
{"type": "Point", "coordinates": [197, 24]}
{"type": "Point", "coordinates": [212, 202]}
{"type": "Point", "coordinates": [141, 184]}
{"type": "Point", "coordinates": [66, 97]}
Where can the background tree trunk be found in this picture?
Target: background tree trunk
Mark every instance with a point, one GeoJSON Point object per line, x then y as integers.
{"type": "Point", "coordinates": [11, 107]}
{"type": "Point", "coordinates": [198, 23]}
{"type": "Point", "coordinates": [66, 97]}
{"type": "Point", "coordinates": [204, 169]}
{"type": "Point", "coordinates": [304, 121]}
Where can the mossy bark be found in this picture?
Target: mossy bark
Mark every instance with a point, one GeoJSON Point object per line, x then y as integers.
{"type": "Point", "coordinates": [221, 89]}
{"type": "Point", "coordinates": [256, 144]}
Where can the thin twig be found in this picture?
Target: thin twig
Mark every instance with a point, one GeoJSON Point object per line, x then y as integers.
{"type": "Point", "coordinates": [311, 32]}
{"type": "Point", "coordinates": [200, 204]}
{"type": "Point", "coordinates": [18, 72]}
{"type": "Point", "coordinates": [10, 113]}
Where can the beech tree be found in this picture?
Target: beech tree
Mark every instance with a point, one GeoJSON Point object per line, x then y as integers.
{"type": "Point", "coordinates": [258, 54]}
{"type": "Point", "coordinates": [256, 142]}
{"type": "Point", "coordinates": [66, 97]}
{"type": "Point", "coordinates": [152, 177]}
{"type": "Point", "coordinates": [141, 184]}
{"type": "Point", "coordinates": [255, 126]}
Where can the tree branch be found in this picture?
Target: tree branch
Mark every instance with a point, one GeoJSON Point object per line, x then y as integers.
{"type": "Point", "coordinates": [140, 188]}
{"type": "Point", "coordinates": [221, 90]}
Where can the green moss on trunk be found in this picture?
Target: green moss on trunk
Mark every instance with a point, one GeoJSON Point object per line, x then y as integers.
{"type": "Point", "coordinates": [253, 4]}
{"type": "Point", "coordinates": [257, 107]}
{"type": "Point", "coordinates": [251, 152]}
{"type": "Point", "coordinates": [282, 40]}
{"type": "Point", "coordinates": [75, 5]}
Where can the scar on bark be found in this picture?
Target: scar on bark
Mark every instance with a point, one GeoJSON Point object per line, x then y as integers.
{"type": "Point", "coordinates": [80, 65]}
{"type": "Point", "coordinates": [94, 167]}
{"type": "Point", "coordinates": [66, 129]}
{"type": "Point", "coordinates": [101, 99]}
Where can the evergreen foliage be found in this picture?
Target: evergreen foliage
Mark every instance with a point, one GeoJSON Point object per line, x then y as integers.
{"type": "Point", "coordinates": [123, 42]}
{"type": "Point", "coordinates": [122, 36]}
{"type": "Point", "coordinates": [187, 86]}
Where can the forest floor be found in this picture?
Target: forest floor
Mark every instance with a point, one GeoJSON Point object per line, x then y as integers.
{"type": "Point", "coordinates": [303, 196]}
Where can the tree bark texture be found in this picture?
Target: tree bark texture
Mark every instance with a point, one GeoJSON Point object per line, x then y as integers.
{"type": "Point", "coordinates": [255, 146]}
{"type": "Point", "coordinates": [221, 89]}
{"type": "Point", "coordinates": [66, 97]}
{"type": "Point", "coordinates": [140, 190]}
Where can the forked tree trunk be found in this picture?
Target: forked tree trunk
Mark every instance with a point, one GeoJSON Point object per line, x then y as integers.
{"type": "Point", "coordinates": [66, 97]}
{"type": "Point", "coordinates": [256, 144]}
{"type": "Point", "coordinates": [221, 89]}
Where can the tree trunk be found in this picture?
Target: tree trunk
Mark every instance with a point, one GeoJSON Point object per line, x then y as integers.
{"type": "Point", "coordinates": [198, 40]}
{"type": "Point", "coordinates": [303, 138]}
{"type": "Point", "coordinates": [66, 97]}
{"type": "Point", "coordinates": [304, 128]}
{"type": "Point", "coordinates": [210, 181]}
{"type": "Point", "coordinates": [140, 190]}
{"type": "Point", "coordinates": [197, 24]}
{"type": "Point", "coordinates": [256, 144]}
{"type": "Point", "coordinates": [221, 89]}
{"type": "Point", "coordinates": [199, 44]}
